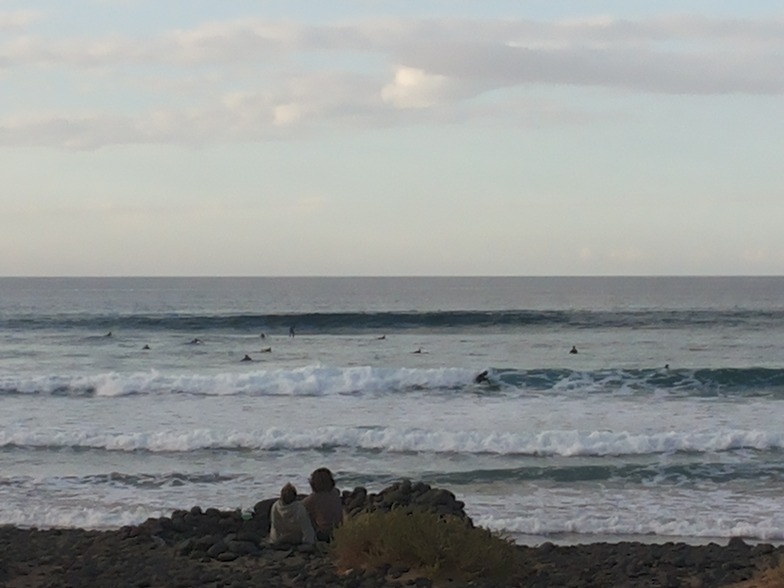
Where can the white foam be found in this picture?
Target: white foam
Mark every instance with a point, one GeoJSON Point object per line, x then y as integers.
{"type": "Point", "coordinates": [315, 380]}
{"type": "Point", "coordinates": [634, 525]}
{"type": "Point", "coordinates": [83, 517]}
{"type": "Point", "coordinates": [591, 513]}
{"type": "Point", "coordinates": [390, 439]}
{"type": "Point", "coordinates": [665, 512]}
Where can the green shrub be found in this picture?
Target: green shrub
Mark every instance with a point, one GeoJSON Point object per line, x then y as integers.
{"type": "Point", "coordinates": [436, 547]}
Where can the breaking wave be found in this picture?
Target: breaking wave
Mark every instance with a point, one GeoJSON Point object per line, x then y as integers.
{"type": "Point", "coordinates": [318, 380]}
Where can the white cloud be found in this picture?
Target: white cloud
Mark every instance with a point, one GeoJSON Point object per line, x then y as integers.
{"type": "Point", "coordinates": [285, 114]}
{"type": "Point", "coordinates": [251, 40]}
{"type": "Point", "coordinates": [414, 88]}
{"type": "Point", "coordinates": [307, 102]}
{"type": "Point", "coordinates": [576, 52]}
{"type": "Point", "coordinates": [252, 79]}
{"type": "Point", "coordinates": [19, 19]}
{"type": "Point", "coordinates": [241, 40]}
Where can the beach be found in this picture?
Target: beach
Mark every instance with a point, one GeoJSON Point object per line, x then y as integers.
{"type": "Point", "coordinates": [168, 552]}
{"type": "Point", "coordinates": [213, 548]}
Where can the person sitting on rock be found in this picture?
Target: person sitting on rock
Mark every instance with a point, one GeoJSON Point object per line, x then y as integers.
{"type": "Point", "coordinates": [324, 504]}
{"type": "Point", "coordinates": [289, 521]}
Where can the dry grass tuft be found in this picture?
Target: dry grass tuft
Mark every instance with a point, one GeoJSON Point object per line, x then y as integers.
{"type": "Point", "coordinates": [772, 577]}
{"type": "Point", "coordinates": [437, 548]}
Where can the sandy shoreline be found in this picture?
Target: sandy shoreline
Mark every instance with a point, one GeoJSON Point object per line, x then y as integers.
{"type": "Point", "coordinates": [212, 548]}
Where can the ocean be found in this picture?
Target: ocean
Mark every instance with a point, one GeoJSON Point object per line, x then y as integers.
{"type": "Point", "coordinates": [127, 398]}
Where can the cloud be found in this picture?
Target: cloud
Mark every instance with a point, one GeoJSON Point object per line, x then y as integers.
{"type": "Point", "coordinates": [414, 88]}
{"type": "Point", "coordinates": [19, 19]}
{"type": "Point", "coordinates": [256, 79]}
{"type": "Point", "coordinates": [251, 40]}
{"type": "Point", "coordinates": [574, 51]}
{"type": "Point", "coordinates": [674, 56]}
{"type": "Point", "coordinates": [296, 105]}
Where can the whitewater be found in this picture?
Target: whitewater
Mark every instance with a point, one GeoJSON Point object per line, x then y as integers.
{"type": "Point", "coordinates": [126, 398]}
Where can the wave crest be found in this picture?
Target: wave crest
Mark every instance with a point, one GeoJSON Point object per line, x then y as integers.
{"type": "Point", "coordinates": [391, 321]}
{"type": "Point", "coordinates": [320, 380]}
{"type": "Point", "coordinates": [392, 440]}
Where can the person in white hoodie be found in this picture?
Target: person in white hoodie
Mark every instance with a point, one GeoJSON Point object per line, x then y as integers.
{"type": "Point", "coordinates": [289, 521]}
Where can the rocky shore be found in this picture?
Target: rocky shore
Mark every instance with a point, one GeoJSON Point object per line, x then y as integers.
{"type": "Point", "coordinates": [212, 548]}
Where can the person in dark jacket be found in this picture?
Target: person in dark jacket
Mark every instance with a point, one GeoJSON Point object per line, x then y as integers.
{"type": "Point", "coordinates": [324, 504]}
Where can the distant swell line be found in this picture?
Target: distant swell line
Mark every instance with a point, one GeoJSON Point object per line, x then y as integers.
{"type": "Point", "coordinates": [662, 473]}
{"type": "Point", "coordinates": [342, 322]}
{"type": "Point", "coordinates": [120, 479]}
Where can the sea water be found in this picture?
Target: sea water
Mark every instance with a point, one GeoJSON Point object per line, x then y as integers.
{"type": "Point", "coordinates": [668, 424]}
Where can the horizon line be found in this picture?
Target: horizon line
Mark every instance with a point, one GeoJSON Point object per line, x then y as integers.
{"type": "Point", "coordinates": [373, 276]}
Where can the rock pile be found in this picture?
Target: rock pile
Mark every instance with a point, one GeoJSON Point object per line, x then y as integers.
{"type": "Point", "coordinates": [227, 535]}
{"type": "Point", "coordinates": [407, 495]}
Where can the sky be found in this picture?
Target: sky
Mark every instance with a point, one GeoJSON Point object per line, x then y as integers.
{"type": "Point", "coordinates": [391, 137]}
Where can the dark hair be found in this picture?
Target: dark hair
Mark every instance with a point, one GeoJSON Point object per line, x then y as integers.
{"type": "Point", "coordinates": [321, 480]}
{"type": "Point", "coordinates": [288, 494]}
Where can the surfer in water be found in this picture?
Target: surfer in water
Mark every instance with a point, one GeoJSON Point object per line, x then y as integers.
{"type": "Point", "coordinates": [247, 358]}
{"type": "Point", "coordinates": [482, 377]}
{"type": "Point", "coordinates": [573, 350]}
